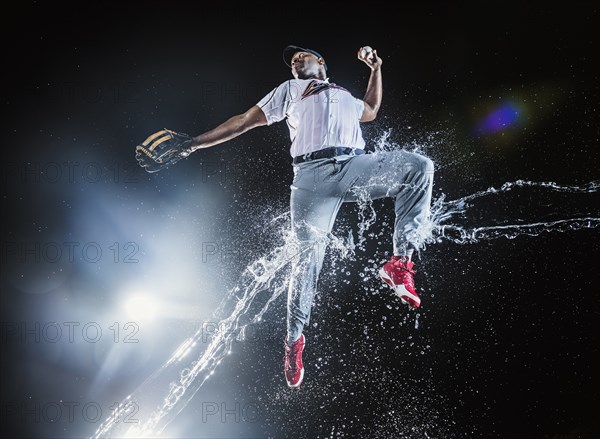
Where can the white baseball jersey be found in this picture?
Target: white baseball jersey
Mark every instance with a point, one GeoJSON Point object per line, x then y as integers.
{"type": "Point", "coordinates": [319, 114]}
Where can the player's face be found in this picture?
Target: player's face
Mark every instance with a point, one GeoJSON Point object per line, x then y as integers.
{"type": "Point", "coordinates": [305, 65]}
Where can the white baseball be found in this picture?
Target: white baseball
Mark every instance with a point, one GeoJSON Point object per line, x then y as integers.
{"type": "Point", "coordinates": [365, 51]}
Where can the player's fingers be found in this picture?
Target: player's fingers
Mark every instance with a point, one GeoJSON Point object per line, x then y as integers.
{"type": "Point", "coordinates": [140, 156]}
{"type": "Point", "coordinates": [140, 159]}
{"type": "Point", "coordinates": [153, 167]}
{"type": "Point", "coordinates": [146, 164]}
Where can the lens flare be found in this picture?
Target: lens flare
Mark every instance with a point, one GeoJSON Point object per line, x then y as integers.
{"type": "Point", "coordinates": [500, 119]}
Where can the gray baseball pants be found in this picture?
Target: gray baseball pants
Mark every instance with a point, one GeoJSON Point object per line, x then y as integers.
{"type": "Point", "coordinates": [318, 190]}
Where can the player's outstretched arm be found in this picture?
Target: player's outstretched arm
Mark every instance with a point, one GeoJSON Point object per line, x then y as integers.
{"type": "Point", "coordinates": [166, 147]}
{"type": "Point", "coordinates": [230, 129]}
{"type": "Point", "coordinates": [373, 95]}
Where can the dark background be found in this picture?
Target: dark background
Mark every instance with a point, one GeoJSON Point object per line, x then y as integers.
{"type": "Point", "coordinates": [506, 344]}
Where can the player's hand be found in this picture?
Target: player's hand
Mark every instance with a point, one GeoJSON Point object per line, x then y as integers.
{"type": "Point", "coordinates": [370, 58]}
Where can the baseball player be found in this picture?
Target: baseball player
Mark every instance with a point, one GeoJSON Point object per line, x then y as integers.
{"type": "Point", "coordinates": [330, 167]}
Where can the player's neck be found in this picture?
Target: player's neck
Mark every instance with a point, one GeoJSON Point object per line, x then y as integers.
{"type": "Point", "coordinates": [318, 76]}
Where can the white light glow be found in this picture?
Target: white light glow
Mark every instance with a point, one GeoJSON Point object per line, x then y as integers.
{"type": "Point", "coordinates": [141, 307]}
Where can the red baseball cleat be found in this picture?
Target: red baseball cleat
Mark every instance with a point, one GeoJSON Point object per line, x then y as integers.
{"type": "Point", "coordinates": [398, 274]}
{"type": "Point", "coordinates": [293, 369]}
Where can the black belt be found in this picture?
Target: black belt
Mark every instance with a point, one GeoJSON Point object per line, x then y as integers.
{"type": "Point", "coordinates": [327, 153]}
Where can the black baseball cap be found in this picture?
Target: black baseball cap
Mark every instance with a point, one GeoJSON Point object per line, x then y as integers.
{"type": "Point", "coordinates": [289, 52]}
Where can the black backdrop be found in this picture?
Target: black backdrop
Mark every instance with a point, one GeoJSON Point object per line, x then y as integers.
{"type": "Point", "coordinates": [506, 342]}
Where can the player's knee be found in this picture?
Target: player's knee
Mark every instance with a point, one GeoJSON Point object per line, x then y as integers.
{"type": "Point", "coordinates": [426, 165]}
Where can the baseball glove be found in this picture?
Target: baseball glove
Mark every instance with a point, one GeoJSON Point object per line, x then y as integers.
{"type": "Point", "coordinates": [162, 149]}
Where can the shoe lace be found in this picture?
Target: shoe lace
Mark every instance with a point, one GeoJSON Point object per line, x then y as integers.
{"type": "Point", "coordinates": [408, 273]}
{"type": "Point", "coordinates": [290, 358]}
{"type": "Point", "coordinates": [403, 266]}
{"type": "Point", "coordinates": [407, 269]}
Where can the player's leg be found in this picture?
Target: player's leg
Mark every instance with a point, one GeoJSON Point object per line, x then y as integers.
{"type": "Point", "coordinates": [314, 203]}
{"type": "Point", "coordinates": [408, 178]}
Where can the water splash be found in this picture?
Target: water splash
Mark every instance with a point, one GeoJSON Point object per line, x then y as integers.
{"type": "Point", "coordinates": [442, 212]}
{"type": "Point", "coordinates": [147, 411]}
